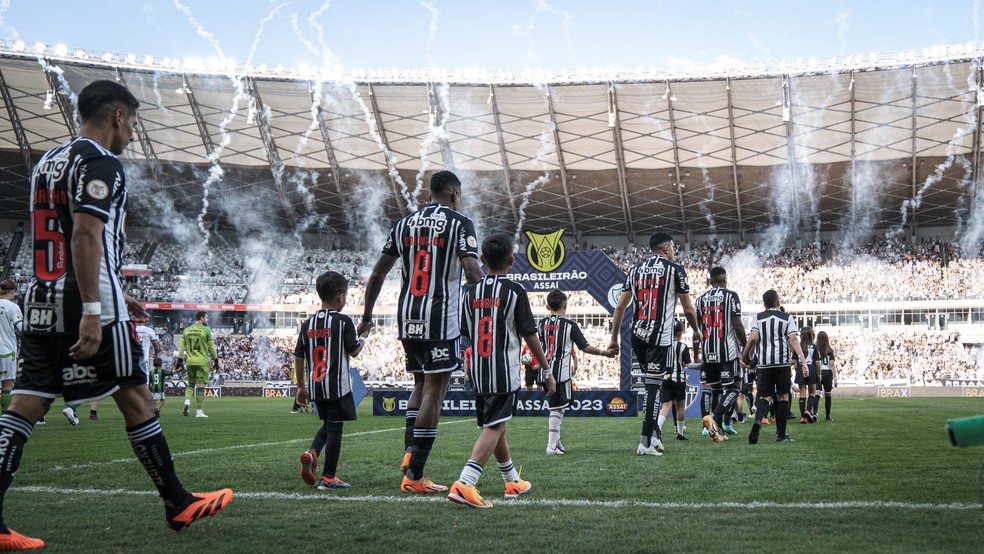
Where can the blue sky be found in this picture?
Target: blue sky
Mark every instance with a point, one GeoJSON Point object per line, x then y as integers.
{"type": "Point", "coordinates": [501, 34]}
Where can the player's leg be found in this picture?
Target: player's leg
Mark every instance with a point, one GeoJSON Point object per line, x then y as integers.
{"type": "Point", "coordinates": [200, 392]}
{"type": "Point", "coordinates": [413, 410]}
{"type": "Point", "coordinates": [190, 386]}
{"type": "Point", "coordinates": [309, 458]}
{"type": "Point", "coordinates": [437, 362]}
{"type": "Point", "coordinates": [667, 403]}
{"type": "Point", "coordinates": [827, 380]}
{"type": "Point", "coordinates": [334, 412]}
{"type": "Point", "coordinates": [464, 490]}
{"type": "Point", "coordinates": [649, 416]}
{"type": "Point", "coordinates": [680, 406]}
{"type": "Point", "coordinates": [783, 385]}
{"type": "Point", "coordinates": [16, 425]}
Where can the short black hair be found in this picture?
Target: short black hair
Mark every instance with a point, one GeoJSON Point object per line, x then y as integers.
{"type": "Point", "coordinates": [496, 250]}
{"type": "Point", "coordinates": [99, 98]}
{"type": "Point", "coordinates": [717, 271]}
{"type": "Point", "coordinates": [330, 284]}
{"type": "Point", "coordinates": [555, 299]}
{"type": "Point", "coordinates": [658, 239]}
{"type": "Point", "coordinates": [770, 298]}
{"type": "Point", "coordinates": [200, 314]}
{"type": "Point", "coordinates": [158, 362]}
{"type": "Point", "coordinates": [677, 327]}
{"type": "Point", "coordinates": [443, 181]}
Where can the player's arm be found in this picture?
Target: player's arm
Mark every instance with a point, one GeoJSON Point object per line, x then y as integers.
{"type": "Point", "coordinates": [739, 328]}
{"type": "Point", "coordinates": [536, 349]}
{"type": "Point", "coordinates": [623, 304]}
{"type": "Point", "coordinates": [833, 370]}
{"type": "Point", "coordinates": [213, 352]}
{"type": "Point", "coordinates": [157, 348]}
{"type": "Point", "coordinates": [354, 342]}
{"type": "Point", "coordinates": [375, 284]}
{"type": "Point", "coordinates": [691, 315]}
{"type": "Point", "coordinates": [687, 360]}
{"type": "Point", "coordinates": [473, 270]}
{"type": "Point", "coordinates": [86, 261]}
{"type": "Point", "coordinates": [300, 376]}
{"type": "Point", "coordinates": [753, 340]}
{"type": "Point", "coordinates": [794, 345]}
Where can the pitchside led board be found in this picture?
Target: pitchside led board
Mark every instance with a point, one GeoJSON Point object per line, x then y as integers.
{"type": "Point", "coordinates": [547, 264]}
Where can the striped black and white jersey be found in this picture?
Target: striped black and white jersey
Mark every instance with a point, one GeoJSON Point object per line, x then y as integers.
{"type": "Point", "coordinates": [824, 361]}
{"type": "Point", "coordinates": [559, 336]}
{"type": "Point", "coordinates": [79, 176]}
{"type": "Point", "coordinates": [324, 343]}
{"type": "Point", "coordinates": [774, 327]}
{"type": "Point", "coordinates": [495, 317]}
{"type": "Point", "coordinates": [654, 285]}
{"type": "Point", "coordinates": [681, 357]}
{"type": "Point", "coordinates": [430, 244]}
{"type": "Point", "coordinates": [719, 341]}
{"type": "Point", "coordinates": [812, 356]}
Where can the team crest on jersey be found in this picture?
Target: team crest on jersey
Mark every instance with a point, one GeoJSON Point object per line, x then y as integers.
{"type": "Point", "coordinates": [545, 252]}
{"type": "Point", "coordinates": [389, 404]}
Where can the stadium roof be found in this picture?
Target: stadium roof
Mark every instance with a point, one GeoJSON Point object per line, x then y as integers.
{"type": "Point", "coordinates": [861, 147]}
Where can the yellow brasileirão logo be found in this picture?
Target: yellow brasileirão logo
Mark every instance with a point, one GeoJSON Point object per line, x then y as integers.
{"type": "Point", "coordinates": [545, 252]}
{"type": "Point", "coordinates": [389, 404]}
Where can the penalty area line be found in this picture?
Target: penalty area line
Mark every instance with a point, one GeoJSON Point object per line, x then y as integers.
{"type": "Point", "coordinates": [90, 465]}
{"type": "Point", "coordinates": [420, 499]}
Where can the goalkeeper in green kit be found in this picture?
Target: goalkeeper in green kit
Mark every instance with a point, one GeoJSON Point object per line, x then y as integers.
{"type": "Point", "coordinates": [196, 348]}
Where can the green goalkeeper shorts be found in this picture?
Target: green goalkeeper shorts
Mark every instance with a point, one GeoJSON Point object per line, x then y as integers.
{"type": "Point", "coordinates": [198, 374]}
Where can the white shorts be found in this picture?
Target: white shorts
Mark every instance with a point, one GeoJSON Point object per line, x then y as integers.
{"type": "Point", "coordinates": [8, 368]}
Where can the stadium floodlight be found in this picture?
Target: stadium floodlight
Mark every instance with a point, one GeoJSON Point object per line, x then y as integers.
{"type": "Point", "coordinates": [80, 54]}
{"type": "Point", "coordinates": [59, 50]}
{"type": "Point", "coordinates": [131, 59]}
{"type": "Point", "coordinates": [148, 60]}
{"type": "Point", "coordinates": [19, 46]}
{"type": "Point", "coordinates": [39, 48]}
{"type": "Point", "coordinates": [107, 57]}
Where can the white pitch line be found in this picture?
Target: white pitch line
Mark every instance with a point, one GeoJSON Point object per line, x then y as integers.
{"type": "Point", "coordinates": [418, 499]}
{"type": "Point", "coordinates": [226, 448]}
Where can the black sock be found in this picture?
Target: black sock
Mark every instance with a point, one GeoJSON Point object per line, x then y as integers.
{"type": "Point", "coordinates": [151, 448]}
{"type": "Point", "coordinates": [320, 438]}
{"type": "Point", "coordinates": [333, 447]}
{"type": "Point", "coordinates": [408, 432]}
{"type": "Point", "coordinates": [705, 402]}
{"type": "Point", "coordinates": [803, 408]}
{"type": "Point", "coordinates": [15, 430]}
{"type": "Point", "coordinates": [423, 441]}
{"type": "Point", "coordinates": [651, 413]}
{"type": "Point", "coordinates": [782, 417]}
{"type": "Point", "coordinates": [727, 403]}
{"type": "Point", "coordinates": [826, 405]}
{"type": "Point", "coordinates": [715, 397]}
{"type": "Point", "coordinates": [761, 409]}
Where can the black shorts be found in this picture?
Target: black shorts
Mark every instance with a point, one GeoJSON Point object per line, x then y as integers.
{"type": "Point", "coordinates": [811, 379]}
{"type": "Point", "coordinates": [431, 356]}
{"type": "Point", "coordinates": [673, 390]}
{"type": "Point", "coordinates": [562, 398]}
{"type": "Point", "coordinates": [493, 409]}
{"type": "Point", "coordinates": [725, 373]}
{"type": "Point", "coordinates": [336, 409]}
{"type": "Point", "coordinates": [827, 381]}
{"type": "Point", "coordinates": [47, 370]}
{"type": "Point", "coordinates": [773, 381]}
{"type": "Point", "coordinates": [748, 381]}
{"type": "Point", "coordinates": [655, 361]}
{"type": "Point", "coordinates": [529, 376]}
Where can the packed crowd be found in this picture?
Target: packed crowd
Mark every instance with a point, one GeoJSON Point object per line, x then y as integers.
{"type": "Point", "coordinates": [919, 357]}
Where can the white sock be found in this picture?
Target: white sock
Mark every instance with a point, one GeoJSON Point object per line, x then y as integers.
{"type": "Point", "coordinates": [554, 428]}
{"type": "Point", "coordinates": [660, 421]}
{"type": "Point", "coordinates": [470, 473]}
{"type": "Point", "coordinates": [680, 423]}
{"type": "Point", "coordinates": [508, 471]}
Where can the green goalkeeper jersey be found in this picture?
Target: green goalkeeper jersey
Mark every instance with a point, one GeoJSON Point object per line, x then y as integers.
{"type": "Point", "coordinates": [197, 345]}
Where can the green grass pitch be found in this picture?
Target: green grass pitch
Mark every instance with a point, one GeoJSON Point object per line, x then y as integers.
{"type": "Point", "coordinates": [880, 478]}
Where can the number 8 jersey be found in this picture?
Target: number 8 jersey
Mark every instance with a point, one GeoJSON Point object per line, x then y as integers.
{"type": "Point", "coordinates": [430, 244]}
{"type": "Point", "coordinates": [78, 176]}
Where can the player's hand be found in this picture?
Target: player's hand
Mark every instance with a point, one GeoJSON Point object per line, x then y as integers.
{"type": "Point", "coordinates": [551, 385]}
{"type": "Point", "coordinates": [364, 327]}
{"type": "Point", "coordinates": [611, 352]}
{"type": "Point", "coordinates": [179, 364]}
{"type": "Point", "coordinates": [302, 396]}
{"type": "Point", "coordinates": [835, 383]}
{"type": "Point", "coordinates": [136, 310]}
{"type": "Point", "coordinates": [90, 336]}
{"type": "Point", "coordinates": [806, 370]}
{"type": "Point", "coordinates": [796, 388]}
{"type": "Point", "coordinates": [612, 346]}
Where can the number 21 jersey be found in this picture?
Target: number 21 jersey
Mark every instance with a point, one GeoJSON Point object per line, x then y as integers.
{"type": "Point", "coordinates": [654, 285]}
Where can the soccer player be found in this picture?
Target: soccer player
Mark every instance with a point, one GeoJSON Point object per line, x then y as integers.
{"type": "Point", "coordinates": [773, 335]}
{"type": "Point", "coordinates": [149, 343]}
{"type": "Point", "coordinates": [158, 385]}
{"type": "Point", "coordinates": [198, 346]}
{"type": "Point", "coordinates": [673, 393]}
{"type": "Point", "coordinates": [559, 336]}
{"type": "Point", "coordinates": [11, 320]}
{"type": "Point", "coordinates": [77, 315]}
{"type": "Point", "coordinates": [435, 245]}
{"type": "Point", "coordinates": [531, 368]}
{"type": "Point", "coordinates": [808, 399]}
{"type": "Point", "coordinates": [722, 338]}
{"type": "Point", "coordinates": [828, 372]}
{"type": "Point", "coordinates": [496, 318]}
{"type": "Point", "coordinates": [653, 288]}
{"type": "Point", "coordinates": [321, 363]}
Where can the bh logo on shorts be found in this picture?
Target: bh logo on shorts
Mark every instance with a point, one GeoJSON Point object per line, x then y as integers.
{"type": "Point", "coordinates": [545, 252]}
{"type": "Point", "coordinates": [440, 354]}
